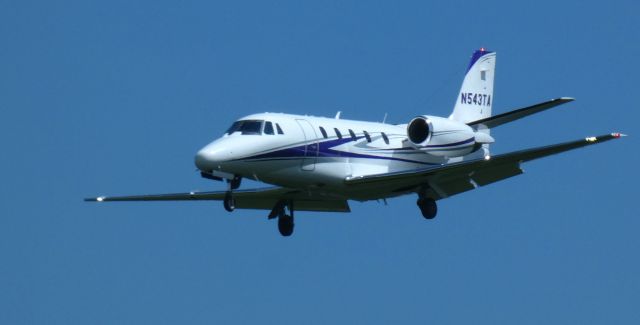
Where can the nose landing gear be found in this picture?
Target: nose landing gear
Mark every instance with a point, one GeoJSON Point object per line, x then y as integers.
{"type": "Point", "coordinates": [229, 202]}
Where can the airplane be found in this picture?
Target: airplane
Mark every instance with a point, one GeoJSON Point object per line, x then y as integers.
{"type": "Point", "coordinates": [319, 164]}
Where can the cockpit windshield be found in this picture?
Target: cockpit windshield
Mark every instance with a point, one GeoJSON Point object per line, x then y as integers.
{"type": "Point", "coordinates": [246, 127]}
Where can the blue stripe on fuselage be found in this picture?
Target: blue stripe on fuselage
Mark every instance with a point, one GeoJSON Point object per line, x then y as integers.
{"type": "Point", "coordinates": [325, 150]}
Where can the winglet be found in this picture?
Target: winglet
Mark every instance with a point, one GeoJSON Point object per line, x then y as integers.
{"type": "Point", "coordinates": [610, 136]}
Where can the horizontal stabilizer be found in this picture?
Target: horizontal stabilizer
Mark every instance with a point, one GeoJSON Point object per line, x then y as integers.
{"type": "Point", "coordinates": [497, 120]}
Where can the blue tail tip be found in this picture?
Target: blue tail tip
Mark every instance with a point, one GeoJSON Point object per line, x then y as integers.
{"type": "Point", "coordinates": [476, 56]}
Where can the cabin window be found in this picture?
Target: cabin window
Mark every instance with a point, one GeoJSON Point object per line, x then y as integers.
{"type": "Point", "coordinates": [324, 133]}
{"type": "Point", "coordinates": [279, 129]}
{"type": "Point", "coordinates": [386, 139]}
{"type": "Point", "coordinates": [338, 133]}
{"type": "Point", "coordinates": [268, 128]}
{"type": "Point", "coordinates": [246, 127]}
{"type": "Point", "coordinates": [366, 135]}
{"type": "Point", "coordinates": [353, 135]}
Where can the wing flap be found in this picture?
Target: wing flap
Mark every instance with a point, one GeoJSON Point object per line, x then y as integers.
{"type": "Point", "coordinates": [487, 176]}
{"type": "Point", "coordinates": [451, 187]}
{"type": "Point", "coordinates": [260, 199]}
{"type": "Point", "coordinates": [443, 187]}
{"type": "Point", "coordinates": [299, 205]}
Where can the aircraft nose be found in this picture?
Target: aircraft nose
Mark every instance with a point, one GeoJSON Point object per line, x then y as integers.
{"type": "Point", "coordinates": [213, 156]}
{"type": "Point", "coordinates": [203, 159]}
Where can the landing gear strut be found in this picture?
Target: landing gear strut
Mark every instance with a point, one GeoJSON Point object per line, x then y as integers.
{"type": "Point", "coordinates": [428, 207]}
{"type": "Point", "coordinates": [229, 202]}
{"type": "Point", "coordinates": [285, 221]}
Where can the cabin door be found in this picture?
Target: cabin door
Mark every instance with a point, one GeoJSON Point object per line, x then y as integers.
{"type": "Point", "coordinates": [310, 145]}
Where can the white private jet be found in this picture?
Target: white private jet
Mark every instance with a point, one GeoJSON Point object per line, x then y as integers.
{"type": "Point", "coordinates": [319, 164]}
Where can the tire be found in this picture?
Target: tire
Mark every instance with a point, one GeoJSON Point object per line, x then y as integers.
{"type": "Point", "coordinates": [229, 202]}
{"type": "Point", "coordinates": [285, 225]}
{"type": "Point", "coordinates": [428, 207]}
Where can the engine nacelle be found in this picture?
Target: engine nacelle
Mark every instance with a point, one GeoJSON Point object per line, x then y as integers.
{"type": "Point", "coordinates": [441, 137]}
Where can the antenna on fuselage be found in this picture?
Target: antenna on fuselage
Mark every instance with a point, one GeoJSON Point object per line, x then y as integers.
{"type": "Point", "coordinates": [385, 118]}
{"type": "Point", "coordinates": [338, 115]}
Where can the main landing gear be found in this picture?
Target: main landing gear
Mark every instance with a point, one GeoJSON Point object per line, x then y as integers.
{"type": "Point", "coordinates": [285, 221]}
{"type": "Point", "coordinates": [428, 207]}
{"type": "Point", "coordinates": [229, 202]}
{"type": "Point", "coordinates": [285, 225]}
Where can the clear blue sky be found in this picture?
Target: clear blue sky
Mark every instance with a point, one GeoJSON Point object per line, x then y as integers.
{"type": "Point", "coordinates": [115, 97]}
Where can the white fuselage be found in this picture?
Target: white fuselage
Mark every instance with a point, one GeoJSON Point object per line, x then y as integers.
{"type": "Point", "coordinates": [317, 154]}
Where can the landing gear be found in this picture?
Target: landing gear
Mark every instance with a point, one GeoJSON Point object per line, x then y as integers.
{"type": "Point", "coordinates": [235, 182]}
{"type": "Point", "coordinates": [229, 202]}
{"type": "Point", "coordinates": [285, 225]}
{"type": "Point", "coordinates": [285, 221]}
{"type": "Point", "coordinates": [428, 207]}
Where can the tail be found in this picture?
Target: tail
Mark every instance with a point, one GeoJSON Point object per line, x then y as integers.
{"type": "Point", "coordinates": [476, 94]}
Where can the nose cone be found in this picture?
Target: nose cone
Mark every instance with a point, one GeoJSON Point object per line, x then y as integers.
{"type": "Point", "coordinates": [203, 159]}
{"type": "Point", "coordinates": [213, 156]}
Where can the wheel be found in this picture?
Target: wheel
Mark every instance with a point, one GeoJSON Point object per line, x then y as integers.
{"type": "Point", "coordinates": [285, 225]}
{"type": "Point", "coordinates": [229, 202]}
{"type": "Point", "coordinates": [428, 207]}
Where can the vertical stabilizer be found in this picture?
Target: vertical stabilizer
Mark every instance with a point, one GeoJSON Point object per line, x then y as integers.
{"type": "Point", "coordinates": [476, 94]}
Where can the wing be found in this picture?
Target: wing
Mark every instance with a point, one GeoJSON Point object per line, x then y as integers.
{"type": "Point", "coordinates": [262, 199]}
{"type": "Point", "coordinates": [497, 120]}
{"type": "Point", "coordinates": [455, 178]}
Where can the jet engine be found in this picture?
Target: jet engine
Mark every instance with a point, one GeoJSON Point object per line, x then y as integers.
{"type": "Point", "coordinates": [443, 137]}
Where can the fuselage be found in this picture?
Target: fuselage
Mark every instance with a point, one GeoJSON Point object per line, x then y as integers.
{"type": "Point", "coordinates": [317, 154]}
